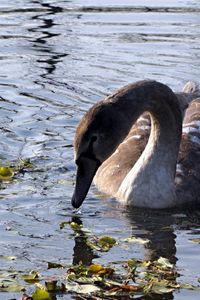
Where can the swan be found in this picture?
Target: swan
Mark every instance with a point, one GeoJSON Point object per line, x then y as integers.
{"type": "Point", "coordinates": [142, 146]}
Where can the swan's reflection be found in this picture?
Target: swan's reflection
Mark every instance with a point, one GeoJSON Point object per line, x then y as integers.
{"type": "Point", "coordinates": [82, 252]}
{"type": "Point", "coordinates": [158, 229]}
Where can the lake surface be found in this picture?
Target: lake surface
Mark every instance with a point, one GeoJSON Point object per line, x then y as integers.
{"type": "Point", "coordinates": [57, 59]}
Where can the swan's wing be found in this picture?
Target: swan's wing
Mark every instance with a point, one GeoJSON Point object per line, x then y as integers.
{"type": "Point", "coordinates": [112, 172]}
{"type": "Point", "coordinates": [188, 167]}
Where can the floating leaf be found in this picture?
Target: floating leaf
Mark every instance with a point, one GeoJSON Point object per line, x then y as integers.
{"type": "Point", "coordinates": [95, 268]}
{"type": "Point", "coordinates": [160, 286]}
{"type": "Point", "coordinates": [103, 244]}
{"type": "Point", "coordinates": [82, 289]}
{"type": "Point", "coordinates": [41, 294]}
{"type": "Point", "coordinates": [52, 265]}
{"type": "Point", "coordinates": [23, 164]}
{"type": "Point", "coordinates": [107, 240]}
{"type": "Point", "coordinates": [26, 163]}
{"type": "Point", "coordinates": [100, 270]}
{"type": "Point", "coordinates": [85, 279]}
{"type": "Point", "coordinates": [33, 277]}
{"type": "Point", "coordinates": [10, 285]}
{"type": "Point", "coordinates": [6, 173]}
{"type": "Point", "coordinates": [53, 287]}
{"type": "Point", "coordinates": [8, 257]}
{"type": "Point", "coordinates": [135, 240]}
{"type": "Point", "coordinates": [189, 286]}
{"type": "Point", "coordinates": [164, 263]}
{"type": "Point", "coordinates": [75, 226]}
{"type": "Point", "coordinates": [197, 240]}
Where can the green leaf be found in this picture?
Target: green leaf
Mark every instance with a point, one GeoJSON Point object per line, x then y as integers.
{"type": "Point", "coordinates": [189, 286]}
{"type": "Point", "coordinates": [8, 284]}
{"type": "Point", "coordinates": [6, 173]}
{"type": "Point", "coordinates": [8, 257]}
{"type": "Point", "coordinates": [132, 263]}
{"type": "Point", "coordinates": [107, 241]}
{"type": "Point", "coordinates": [160, 286]}
{"type": "Point", "coordinates": [40, 294]}
{"type": "Point", "coordinates": [103, 244]}
{"type": "Point", "coordinates": [100, 270]}
{"type": "Point", "coordinates": [52, 265]}
{"type": "Point", "coordinates": [23, 164]}
{"type": "Point", "coordinates": [75, 226]}
{"type": "Point", "coordinates": [53, 287]}
{"type": "Point", "coordinates": [33, 277]}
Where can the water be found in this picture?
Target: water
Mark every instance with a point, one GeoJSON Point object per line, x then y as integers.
{"type": "Point", "coordinates": [57, 59]}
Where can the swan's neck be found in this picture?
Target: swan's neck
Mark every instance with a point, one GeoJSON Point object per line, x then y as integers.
{"type": "Point", "coordinates": [150, 183]}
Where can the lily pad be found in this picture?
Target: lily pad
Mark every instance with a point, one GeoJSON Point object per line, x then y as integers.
{"type": "Point", "coordinates": [32, 277]}
{"type": "Point", "coordinates": [102, 244]}
{"type": "Point", "coordinates": [6, 173]}
{"type": "Point", "coordinates": [164, 263]}
{"type": "Point", "coordinates": [8, 257]}
{"type": "Point", "coordinates": [75, 226]}
{"type": "Point", "coordinates": [52, 265]}
{"type": "Point", "coordinates": [53, 287]}
{"type": "Point", "coordinates": [41, 294]}
{"type": "Point", "coordinates": [82, 289]}
{"type": "Point", "coordinates": [10, 285]}
{"type": "Point", "coordinates": [136, 240]}
{"type": "Point", "coordinates": [197, 240]}
{"type": "Point", "coordinates": [100, 270]}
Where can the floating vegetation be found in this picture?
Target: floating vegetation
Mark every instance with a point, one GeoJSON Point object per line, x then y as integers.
{"type": "Point", "coordinates": [9, 283]}
{"type": "Point", "coordinates": [41, 294]}
{"type": "Point", "coordinates": [53, 265]}
{"type": "Point", "coordinates": [127, 279]}
{"type": "Point", "coordinates": [7, 172]}
{"type": "Point", "coordinates": [102, 244]}
{"type": "Point", "coordinates": [196, 240]}
{"type": "Point", "coordinates": [31, 278]}
{"type": "Point", "coordinates": [7, 257]}
{"type": "Point", "coordinates": [123, 280]}
{"type": "Point", "coordinates": [137, 278]}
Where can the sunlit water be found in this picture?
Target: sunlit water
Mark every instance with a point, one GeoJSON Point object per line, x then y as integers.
{"type": "Point", "coordinates": [57, 58]}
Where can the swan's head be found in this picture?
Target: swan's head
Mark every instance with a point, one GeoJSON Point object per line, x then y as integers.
{"type": "Point", "coordinates": [97, 136]}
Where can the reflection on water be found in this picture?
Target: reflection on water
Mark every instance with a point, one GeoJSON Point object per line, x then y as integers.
{"type": "Point", "coordinates": [82, 251]}
{"type": "Point", "coordinates": [159, 231]}
{"type": "Point", "coordinates": [58, 58]}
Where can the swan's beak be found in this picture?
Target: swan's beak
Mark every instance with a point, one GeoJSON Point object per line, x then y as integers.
{"type": "Point", "coordinates": [87, 168]}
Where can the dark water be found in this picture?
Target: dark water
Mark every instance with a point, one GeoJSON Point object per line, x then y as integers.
{"type": "Point", "coordinates": [56, 59]}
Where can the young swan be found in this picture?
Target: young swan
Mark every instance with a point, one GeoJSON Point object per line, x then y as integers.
{"type": "Point", "coordinates": [107, 144]}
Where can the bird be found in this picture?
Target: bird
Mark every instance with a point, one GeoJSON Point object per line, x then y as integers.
{"type": "Point", "coordinates": [141, 146]}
